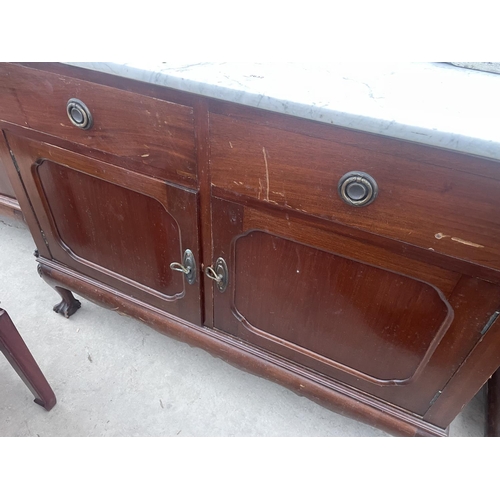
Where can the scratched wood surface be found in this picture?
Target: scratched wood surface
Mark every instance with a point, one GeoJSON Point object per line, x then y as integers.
{"type": "Point", "coordinates": [291, 294]}
{"type": "Point", "coordinates": [267, 200]}
{"type": "Point", "coordinates": [143, 129]}
{"type": "Point", "coordinates": [450, 212]}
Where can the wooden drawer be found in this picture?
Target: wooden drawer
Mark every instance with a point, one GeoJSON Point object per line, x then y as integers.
{"type": "Point", "coordinates": [440, 207]}
{"type": "Point", "coordinates": [157, 133]}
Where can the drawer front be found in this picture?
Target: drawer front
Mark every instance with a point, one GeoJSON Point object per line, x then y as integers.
{"type": "Point", "coordinates": [448, 211]}
{"type": "Point", "coordinates": [157, 133]}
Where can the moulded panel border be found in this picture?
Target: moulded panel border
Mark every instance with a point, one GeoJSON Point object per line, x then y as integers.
{"type": "Point", "coordinates": [93, 265]}
{"type": "Point", "coordinates": [318, 357]}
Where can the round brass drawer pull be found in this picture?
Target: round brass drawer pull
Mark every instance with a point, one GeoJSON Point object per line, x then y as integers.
{"type": "Point", "coordinates": [78, 114]}
{"type": "Point", "coordinates": [357, 189]}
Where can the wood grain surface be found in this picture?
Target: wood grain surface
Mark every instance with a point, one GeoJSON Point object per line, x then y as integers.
{"type": "Point", "coordinates": [151, 131]}
{"type": "Point", "coordinates": [377, 311]}
{"type": "Point", "coordinates": [117, 226]}
{"type": "Point", "coordinates": [446, 211]}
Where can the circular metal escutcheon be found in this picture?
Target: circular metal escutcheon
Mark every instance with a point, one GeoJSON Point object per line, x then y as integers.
{"type": "Point", "coordinates": [78, 114]}
{"type": "Point", "coordinates": [357, 189]}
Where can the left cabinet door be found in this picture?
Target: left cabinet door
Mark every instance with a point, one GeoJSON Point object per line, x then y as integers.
{"type": "Point", "coordinates": [5, 186]}
{"type": "Point", "coordinates": [8, 203]}
{"type": "Point", "coordinates": [118, 227]}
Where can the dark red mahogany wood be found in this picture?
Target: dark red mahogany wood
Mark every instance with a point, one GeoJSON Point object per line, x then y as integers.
{"type": "Point", "coordinates": [120, 227]}
{"type": "Point", "coordinates": [18, 355]}
{"type": "Point", "coordinates": [337, 397]}
{"type": "Point", "coordinates": [377, 312]}
{"type": "Point", "coordinates": [5, 185]}
{"type": "Point", "coordinates": [158, 133]}
{"type": "Point", "coordinates": [8, 203]}
{"type": "Point", "coordinates": [453, 212]}
{"type": "Point", "coordinates": [301, 293]}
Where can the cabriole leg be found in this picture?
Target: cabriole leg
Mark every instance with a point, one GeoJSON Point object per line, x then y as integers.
{"type": "Point", "coordinates": [68, 305]}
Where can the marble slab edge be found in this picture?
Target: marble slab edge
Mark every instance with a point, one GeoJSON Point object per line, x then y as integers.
{"type": "Point", "coordinates": [364, 122]}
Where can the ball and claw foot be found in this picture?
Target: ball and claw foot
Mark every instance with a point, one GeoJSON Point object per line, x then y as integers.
{"type": "Point", "coordinates": [67, 309]}
{"type": "Point", "coordinates": [68, 305]}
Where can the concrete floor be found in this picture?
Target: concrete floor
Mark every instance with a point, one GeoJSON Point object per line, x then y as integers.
{"type": "Point", "coordinates": [114, 376]}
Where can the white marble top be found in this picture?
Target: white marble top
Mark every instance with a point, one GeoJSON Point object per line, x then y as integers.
{"type": "Point", "coordinates": [430, 103]}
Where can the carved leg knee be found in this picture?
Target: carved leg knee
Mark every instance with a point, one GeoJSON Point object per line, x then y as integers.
{"type": "Point", "coordinates": [68, 305]}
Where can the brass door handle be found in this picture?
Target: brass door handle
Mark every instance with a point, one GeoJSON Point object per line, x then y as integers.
{"type": "Point", "coordinates": [220, 274]}
{"type": "Point", "coordinates": [188, 266]}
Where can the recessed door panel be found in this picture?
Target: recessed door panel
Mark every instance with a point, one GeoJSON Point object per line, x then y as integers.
{"type": "Point", "coordinates": [371, 322]}
{"type": "Point", "coordinates": [138, 233]}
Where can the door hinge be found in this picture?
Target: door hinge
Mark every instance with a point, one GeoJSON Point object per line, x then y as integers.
{"type": "Point", "coordinates": [490, 322]}
{"type": "Point", "coordinates": [434, 399]}
{"type": "Point", "coordinates": [16, 166]}
{"type": "Point", "coordinates": [44, 238]}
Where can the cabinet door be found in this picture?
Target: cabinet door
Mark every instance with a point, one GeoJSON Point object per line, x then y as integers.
{"type": "Point", "coordinates": [363, 315]}
{"type": "Point", "coordinates": [8, 203]}
{"type": "Point", "coordinates": [119, 227]}
{"type": "Point", "coordinates": [5, 186]}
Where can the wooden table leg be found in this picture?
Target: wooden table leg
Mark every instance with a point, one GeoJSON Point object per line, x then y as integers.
{"type": "Point", "coordinates": [19, 356]}
{"type": "Point", "coordinates": [493, 412]}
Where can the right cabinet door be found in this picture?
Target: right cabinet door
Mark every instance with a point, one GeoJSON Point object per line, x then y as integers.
{"type": "Point", "coordinates": [309, 292]}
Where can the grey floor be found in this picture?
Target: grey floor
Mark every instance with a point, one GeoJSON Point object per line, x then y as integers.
{"type": "Point", "coordinates": [114, 376]}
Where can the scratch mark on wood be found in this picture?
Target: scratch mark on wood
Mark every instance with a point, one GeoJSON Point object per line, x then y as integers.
{"type": "Point", "coordinates": [440, 236]}
{"type": "Point", "coordinates": [267, 173]}
{"type": "Point", "coordinates": [145, 156]}
{"type": "Point", "coordinates": [260, 189]}
{"type": "Point", "coordinates": [230, 145]}
{"type": "Point", "coordinates": [468, 243]}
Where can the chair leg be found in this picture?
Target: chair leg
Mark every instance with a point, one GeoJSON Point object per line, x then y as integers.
{"type": "Point", "coordinates": [18, 355]}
